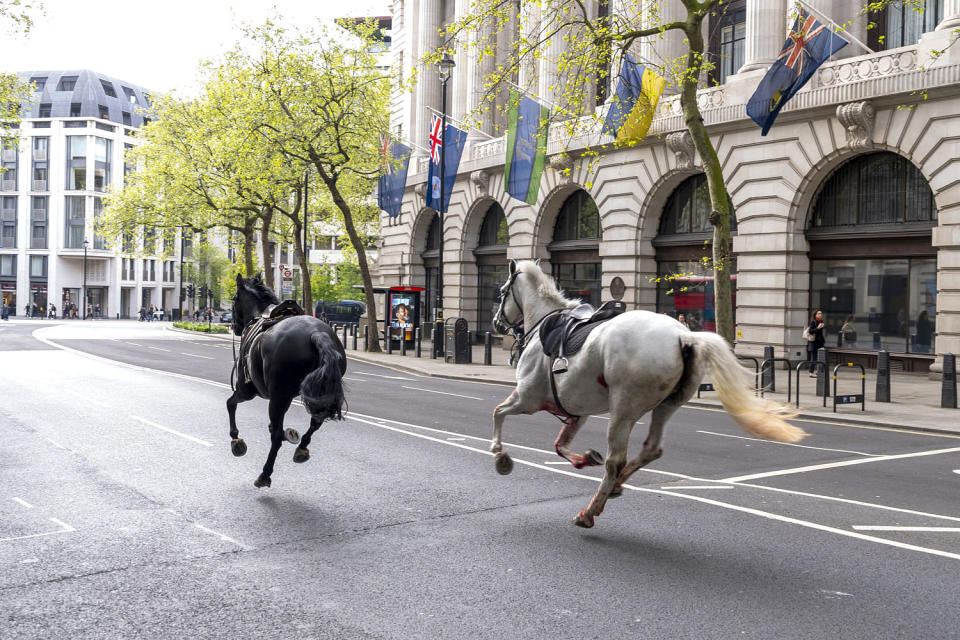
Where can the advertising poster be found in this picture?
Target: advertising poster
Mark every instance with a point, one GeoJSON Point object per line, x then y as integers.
{"type": "Point", "coordinates": [403, 313]}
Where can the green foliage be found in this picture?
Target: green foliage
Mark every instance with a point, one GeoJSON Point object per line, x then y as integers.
{"type": "Point", "coordinates": [333, 282]}
{"type": "Point", "coordinates": [202, 327]}
{"type": "Point", "coordinates": [211, 268]}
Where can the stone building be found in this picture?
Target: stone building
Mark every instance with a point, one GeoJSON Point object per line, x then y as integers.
{"type": "Point", "coordinates": [850, 204]}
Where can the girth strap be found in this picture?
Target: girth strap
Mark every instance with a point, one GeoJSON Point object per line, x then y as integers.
{"type": "Point", "coordinates": [556, 396]}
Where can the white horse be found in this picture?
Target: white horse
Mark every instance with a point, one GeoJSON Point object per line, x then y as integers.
{"type": "Point", "coordinates": [635, 363]}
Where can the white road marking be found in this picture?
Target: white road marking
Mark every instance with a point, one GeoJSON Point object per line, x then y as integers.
{"type": "Point", "coordinates": [861, 527]}
{"type": "Point", "coordinates": [103, 405]}
{"type": "Point", "coordinates": [196, 356]}
{"type": "Point", "coordinates": [173, 431]}
{"type": "Point", "coordinates": [380, 375]}
{"type": "Point", "coordinates": [786, 444]}
{"type": "Point", "coordinates": [22, 502]}
{"type": "Point", "coordinates": [64, 528]}
{"type": "Point", "coordinates": [132, 343]}
{"type": "Point", "coordinates": [441, 393]}
{"type": "Point", "coordinates": [705, 486]}
{"type": "Point", "coordinates": [456, 439]}
{"type": "Point", "coordinates": [834, 465]}
{"type": "Point", "coordinates": [684, 496]}
{"type": "Point", "coordinates": [222, 536]}
{"type": "Point", "coordinates": [355, 379]}
{"type": "Point", "coordinates": [157, 348]}
{"type": "Point", "coordinates": [56, 444]}
{"type": "Point", "coordinates": [956, 470]}
{"type": "Point", "coordinates": [557, 462]}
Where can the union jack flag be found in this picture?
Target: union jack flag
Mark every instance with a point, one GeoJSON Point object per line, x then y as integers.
{"type": "Point", "coordinates": [795, 49]}
{"type": "Point", "coordinates": [385, 155]}
{"type": "Point", "coordinates": [436, 139]}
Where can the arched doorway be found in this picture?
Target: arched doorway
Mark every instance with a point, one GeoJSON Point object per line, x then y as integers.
{"type": "Point", "coordinates": [575, 249]}
{"type": "Point", "coordinates": [431, 264]}
{"type": "Point", "coordinates": [873, 268]}
{"type": "Point", "coordinates": [491, 256]}
{"type": "Point", "coordinates": [684, 256]}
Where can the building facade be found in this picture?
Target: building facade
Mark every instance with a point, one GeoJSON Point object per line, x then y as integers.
{"type": "Point", "coordinates": [69, 152]}
{"type": "Point", "coordinates": [851, 203]}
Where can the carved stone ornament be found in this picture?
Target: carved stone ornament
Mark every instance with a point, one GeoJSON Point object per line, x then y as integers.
{"type": "Point", "coordinates": [421, 190]}
{"type": "Point", "coordinates": [482, 179]}
{"type": "Point", "coordinates": [857, 119]}
{"type": "Point", "coordinates": [681, 143]}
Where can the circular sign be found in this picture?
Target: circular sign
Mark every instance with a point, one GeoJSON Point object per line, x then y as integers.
{"type": "Point", "coordinates": [617, 288]}
{"type": "Point", "coordinates": [287, 274]}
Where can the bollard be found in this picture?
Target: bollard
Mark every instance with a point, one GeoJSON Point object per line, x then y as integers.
{"type": "Point", "coordinates": [403, 342]}
{"type": "Point", "coordinates": [438, 350]}
{"type": "Point", "coordinates": [355, 332]}
{"type": "Point", "coordinates": [883, 376]}
{"type": "Point", "coordinates": [487, 348]}
{"type": "Point", "coordinates": [823, 387]}
{"type": "Point", "coordinates": [768, 379]}
{"type": "Point", "coordinates": [366, 342]}
{"type": "Point", "coordinates": [469, 347]}
{"type": "Point", "coordinates": [418, 337]}
{"type": "Point", "coordinates": [876, 341]}
{"type": "Point", "coordinates": [387, 341]}
{"type": "Point", "coordinates": [948, 391]}
{"type": "Point", "coordinates": [345, 329]}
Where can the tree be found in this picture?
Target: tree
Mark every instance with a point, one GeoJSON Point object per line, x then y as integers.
{"type": "Point", "coordinates": [17, 16]}
{"type": "Point", "coordinates": [322, 102]}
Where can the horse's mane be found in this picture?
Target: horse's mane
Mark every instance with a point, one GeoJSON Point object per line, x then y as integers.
{"type": "Point", "coordinates": [260, 291]}
{"type": "Point", "coordinates": [546, 287]}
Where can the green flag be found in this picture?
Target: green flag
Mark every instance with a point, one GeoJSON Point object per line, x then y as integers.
{"type": "Point", "coordinates": [526, 147]}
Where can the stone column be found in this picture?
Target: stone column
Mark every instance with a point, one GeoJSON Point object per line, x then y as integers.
{"type": "Point", "coordinates": [766, 32]}
{"type": "Point", "coordinates": [550, 82]}
{"type": "Point", "coordinates": [459, 85]}
{"type": "Point", "coordinates": [951, 15]}
{"type": "Point", "coordinates": [428, 84]}
{"type": "Point", "coordinates": [529, 27]}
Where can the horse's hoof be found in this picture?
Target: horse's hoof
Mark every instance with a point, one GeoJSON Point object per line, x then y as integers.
{"type": "Point", "coordinates": [261, 482]}
{"type": "Point", "coordinates": [583, 520]}
{"type": "Point", "coordinates": [292, 436]}
{"type": "Point", "coordinates": [594, 459]}
{"type": "Point", "coordinates": [301, 455]}
{"type": "Point", "coordinates": [616, 492]}
{"type": "Point", "coordinates": [238, 447]}
{"type": "Point", "coordinates": [503, 463]}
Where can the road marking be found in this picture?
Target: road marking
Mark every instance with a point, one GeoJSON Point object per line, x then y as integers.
{"type": "Point", "coordinates": [861, 527]}
{"type": "Point", "coordinates": [56, 444]}
{"type": "Point", "coordinates": [133, 343]}
{"type": "Point", "coordinates": [956, 470]}
{"type": "Point", "coordinates": [557, 462]}
{"type": "Point", "coordinates": [88, 399]}
{"type": "Point", "coordinates": [196, 356]}
{"type": "Point", "coordinates": [23, 502]}
{"type": "Point", "coordinates": [64, 528]}
{"type": "Point", "coordinates": [441, 392]}
{"type": "Point", "coordinates": [157, 348]}
{"type": "Point", "coordinates": [834, 465]}
{"type": "Point", "coordinates": [355, 379]}
{"type": "Point", "coordinates": [705, 486]}
{"type": "Point", "coordinates": [456, 439]}
{"type": "Point", "coordinates": [222, 536]}
{"type": "Point", "coordinates": [684, 496]}
{"type": "Point", "coordinates": [787, 444]}
{"type": "Point", "coordinates": [380, 375]}
{"type": "Point", "coordinates": [173, 431]}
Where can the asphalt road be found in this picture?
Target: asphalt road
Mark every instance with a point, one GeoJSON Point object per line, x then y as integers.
{"type": "Point", "coordinates": [123, 514]}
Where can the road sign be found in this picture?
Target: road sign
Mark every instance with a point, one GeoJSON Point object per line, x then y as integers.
{"type": "Point", "coordinates": [287, 274]}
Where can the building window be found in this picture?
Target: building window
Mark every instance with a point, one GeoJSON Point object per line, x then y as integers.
{"type": "Point", "coordinates": [728, 28]}
{"type": "Point", "coordinates": [149, 240]}
{"type": "Point", "coordinates": [38, 222]}
{"type": "Point", "coordinates": [39, 82]}
{"type": "Point", "coordinates": [125, 116]}
{"type": "Point", "coordinates": [8, 221]}
{"type": "Point", "coordinates": [108, 88]}
{"type": "Point", "coordinates": [38, 266]}
{"type": "Point", "coordinates": [8, 265]}
{"type": "Point", "coordinates": [491, 255]}
{"type": "Point", "coordinates": [76, 163]}
{"type": "Point", "coordinates": [9, 148]}
{"type": "Point", "coordinates": [44, 110]}
{"type": "Point", "coordinates": [103, 150]}
{"type": "Point", "coordinates": [578, 219]}
{"type": "Point", "coordinates": [74, 109]}
{"type": "Point", "coordinates": [40, 146]}
{"type": "Point", "coordinates": [493, 231]}
{"type": "Point", "coordinates": [75, 222]}
{"type": "Point", "coordinates": [900, 24]}
{"type": "Point", "coordinates": [603, 61]}
{"type": "Point", "coordinates": [67, 83]}
{"type": "Point", "coordinates": [574, 252]}
{"type": "Point", "coordinates": [131, 96]}
{"type": "Point", "coordinates": [99, 242]}
{"type": "Point", "coordinates": [103, 111]}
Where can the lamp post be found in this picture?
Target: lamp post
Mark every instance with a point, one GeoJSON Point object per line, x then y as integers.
{"type": "Point", "coordinates": [180, 299]}
{"type": "Point", "coordinates": [83, 298]}
{"type": "Point", "coordinates": [446, 65]}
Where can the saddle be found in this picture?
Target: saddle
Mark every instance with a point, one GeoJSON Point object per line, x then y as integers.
{"type": "Point", "coordinates": [564, 333]}
{"type": "Point", "coordinates": [272, 315]}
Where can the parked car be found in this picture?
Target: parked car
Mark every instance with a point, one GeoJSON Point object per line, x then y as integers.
{"type": "Point", "coordinates": [226, 316]}
{"type": "Point", "coordinates": [342, 312]}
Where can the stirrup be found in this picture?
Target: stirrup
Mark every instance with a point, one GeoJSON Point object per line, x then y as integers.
{"type": "Point", "coordinates": [560, 365]}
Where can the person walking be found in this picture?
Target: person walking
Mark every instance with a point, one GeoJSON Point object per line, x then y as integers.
{"type": "Point", "coordinates": [813, 334]}
{"type": "Point", "coordinates": [682, 319]}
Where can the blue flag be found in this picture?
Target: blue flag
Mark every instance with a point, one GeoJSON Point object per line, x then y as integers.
{"type": "Point", "coordinates": [638, 92]}
{"type": "Point", "coordinates": [526, 147]}
{"type": "Point", "coordinates": [454, 139]}
{"type": "Point", "coordinates": [393, 180]}
{"type": "Point", "coordinates": [808, 45]}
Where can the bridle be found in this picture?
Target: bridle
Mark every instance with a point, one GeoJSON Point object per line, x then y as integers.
{"type": "Point", "coordinates": [501, 312]}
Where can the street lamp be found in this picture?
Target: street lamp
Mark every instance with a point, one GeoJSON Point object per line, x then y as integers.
{"type": "Point", "coordinates": [445, 65]}
{"type": "Point", "coordinates": [83, 299]}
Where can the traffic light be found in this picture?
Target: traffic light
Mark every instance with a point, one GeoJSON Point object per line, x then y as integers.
{"type": "Point", "coordinates": [203, 292]}
{"type": "Point", "coordinates": [190, 291]}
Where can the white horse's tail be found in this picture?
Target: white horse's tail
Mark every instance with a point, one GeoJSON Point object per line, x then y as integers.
{"type": "Point", "coordinates": [758, 417]}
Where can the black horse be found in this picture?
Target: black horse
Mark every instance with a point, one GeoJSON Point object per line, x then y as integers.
{"type": "Point", "coordinates": [280, 358]}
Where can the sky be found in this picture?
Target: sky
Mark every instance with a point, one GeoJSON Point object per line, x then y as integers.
{"type": "Point", "coordinates": [156, 45]}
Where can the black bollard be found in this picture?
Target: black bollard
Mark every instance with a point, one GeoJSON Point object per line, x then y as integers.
{"type": "Point", "coordinates": [403, 342]}
{"type": "Point", "coordinates": [469, 347]}
{"type": "Point", "coordinates": [823, 386]}
{"type": "Point", "coordinates": [438, 350]}
{"type": "Point", "coordinates": [768, 379]}
{"type": "Point", "coordinates": [345, 329]}
{"type": "Point", "coordinates": [487, 348]}
{"type": "Point", "coordinates": [876, 341]}
{"type": "Point", "coordinates": [366, 342]}
{"type": "Point", "coordinates": [418, 338]}
{"type": "Point", "coordinates": [387, 341]}
{"type": "Point", "coordinates": [883, 376]}
{"type": "Point", "coordinates": [948, 390]}
{"type": "Point", "coordinates": [355, 332]}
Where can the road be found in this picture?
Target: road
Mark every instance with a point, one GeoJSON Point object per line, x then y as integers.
{"type": "Point", "coordinates": [123, 514]}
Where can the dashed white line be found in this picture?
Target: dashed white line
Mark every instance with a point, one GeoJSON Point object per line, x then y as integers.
{"type": "Point", "coordinates": [444, 393]}
{"type": "Point", "coordinates": [380, 375]}
{"type": "Point", "coordinates": [66, 528]}
{"type": "Point", "coordinates": [705, 486]}
{"type": "Point", "coordinates": [222, 536]}
{"type": "Point", "coordinates": [786, 444]}
{"type": "Point", "coordinates": [86, 398]}
{"type": "Point", "coordinates": [173, 431]}
{"type": "Point", "coordinates": [157, 348]}
{"type": "Point", "coordinates": [56, 444]}
{"type": "Point", "coordinates": [23, 502]}
{"type": "Point", "coordinates": [861, 527]}
{"type": "Point", "coordinates": [355, 379]}
{"type": "Point", "coordinates": [196, 356]}
{"type": "Point", "coordinates": [133, 344]}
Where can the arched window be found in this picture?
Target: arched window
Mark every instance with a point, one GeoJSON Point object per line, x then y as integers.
{"type": "Point", "coordinates": [491, 256]}
{"type": "Point", "coordinates": [685, 274]}
{"type": "Point", "coordinates": [575, 250]}
{"type": "Point", "coordinates": [873, 267]}
{"type": "Point", "coordinates": [901, 23]}
{"type": "Point", "coordinates": [431, 263]}
{"type": "Point", "coordinates": [433, 235]}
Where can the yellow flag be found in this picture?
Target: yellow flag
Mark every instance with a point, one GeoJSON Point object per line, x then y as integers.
{"type": "Point", "coordinates": [637, 124]}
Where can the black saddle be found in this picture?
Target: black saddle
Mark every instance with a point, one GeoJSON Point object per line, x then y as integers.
{"type": "Point", "coordinates": [564, 333]}
{"type": "Point", "coordinates": [274, 314]}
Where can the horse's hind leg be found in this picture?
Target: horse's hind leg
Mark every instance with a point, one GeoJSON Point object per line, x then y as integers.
{"type": "Point", "coordinates": [242, 393]}
{"type": "Point", "coordinates": [302, 452]}
{"type": "Point", "coordinates": [618, 436]}
{"type": "Point", "coordinates": [278, 408]}
{"type": "Point", "coordinates": [651, 446]}
{"type": "Point", "coordinates": [570, 427]}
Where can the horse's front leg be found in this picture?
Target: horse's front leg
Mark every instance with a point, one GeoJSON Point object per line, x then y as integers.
{"type": "Point", "coordinates": [511, 406]}
{"type": "Point", "coordinates": [278, 408]}
{"type": "Point", "coordinates": [618, 436]}
{"type": "Point", "coordinates": [562, 445]}
{"type": "Point", "coordinates": [242, 393]}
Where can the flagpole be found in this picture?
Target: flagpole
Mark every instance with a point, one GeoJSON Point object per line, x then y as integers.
{"type": "Point", "coordinates": [838, 28]}
{"type": "Point", "coordinates": [462, 124]}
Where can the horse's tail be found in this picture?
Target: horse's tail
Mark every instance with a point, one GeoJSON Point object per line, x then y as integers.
{"type": "Point", "coordinates": [322, 389]}
{"type": "Point", "coordinates": [758, 417]}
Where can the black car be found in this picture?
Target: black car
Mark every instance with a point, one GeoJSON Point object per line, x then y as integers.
{"type": "Point", "coordinates": [342, 312]}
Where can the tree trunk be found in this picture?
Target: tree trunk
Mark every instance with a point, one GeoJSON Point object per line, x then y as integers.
{"type": "Point", "coordinates": [304, 266]}
{"type": "Point", "coordinates": [266, 220]}
{"type": "Point", "coordinates": [373, 344]}
{"type": "Point", "coordinates": [719, 199]}
{"type": "Point", "coordinates": [249, 225]}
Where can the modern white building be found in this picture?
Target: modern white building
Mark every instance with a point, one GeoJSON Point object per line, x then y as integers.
{"type": "Point", "coordinates": [851, 204]}
{"type": "Point", "coordinates": [70, 150]}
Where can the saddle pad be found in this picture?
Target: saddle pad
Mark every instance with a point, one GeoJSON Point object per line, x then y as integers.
{"type": "Point", "coordinates": [572, 332]}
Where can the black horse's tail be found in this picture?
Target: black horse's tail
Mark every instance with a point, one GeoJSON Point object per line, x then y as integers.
{"type": "Point", "coordinates": [322, 389]}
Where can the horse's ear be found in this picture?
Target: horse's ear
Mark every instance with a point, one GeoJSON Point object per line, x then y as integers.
{"type": "Point", "coordinates": [258, 278]}
{"type": "Point", "coordinates": [239, 279]}
{"type": "Point", "coordinates": [513, 267]}
{"type": "Point", "coordinates": [537, 261]}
